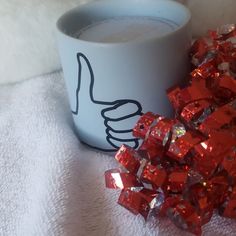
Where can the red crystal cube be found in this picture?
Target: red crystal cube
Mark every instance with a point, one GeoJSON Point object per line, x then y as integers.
{"type": "Point", "coordinates": [194, 110]}
{"type": "Point", "coordinates": [179, 148]}
{"type": "Point", "coordinates": [177, 181]}
{"type": "Point", "coordinates": [128, 158]}
{"type": "Point", "coordinates": [151, 151]}
{"type": "Point", "coordinates": [184, 216]}
{"type": "Point", "coordinates": [142, 127]}
{"type": "Point", "coordinates": [154, 175]}
{"type": "Point", "coordinates": [169, 202]}
{"type": "Point", "coordinates": [134, 202]}
{"type": "Point", "coordinates": [116, 180]}
{"type": "Point", "coordinates": [160, 133]}
{"type": "Point", "coordinates": [228, 208]}
{"type": "Point", "coordinates": [201, 199]}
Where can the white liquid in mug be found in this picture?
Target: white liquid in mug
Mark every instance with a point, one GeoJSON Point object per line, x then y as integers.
{"type": "Point", "coordinates": [124, 29]}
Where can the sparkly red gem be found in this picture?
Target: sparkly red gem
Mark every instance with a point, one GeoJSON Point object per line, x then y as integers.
{"type": "Point", "coordinates": [160, 132]}
{"type": "Point", "coordinates": [193, 111]}
{"type": "Point", "coordinates": [169, 202]}
{"type": "Point", "coordinates": [128, 158]}
{"type": "Point", "coordinates": [222, 116]}
{"type": "Point", "coordinates": [229, 163]}
{"type": "Point", "coordinates": [174, 95]}
{"type": "Point", "coordinates": [209, 154]}
{"type": "Point", "coordinates": [154, 175]}
{"type": "Point", "coordinates": [200, 198]}
{"type": "Point", "coordinates": [117, 180]}
{"type": "Point", "coordinates": [148, 194]}
{"type": "Point", "coordinates": [199, 49]}
{"type": "Point", "coordinates": [179, 148]}
{"type": "Point", "coordinates": [228, 208]}
{"type": "Point", "coordinates": [134, 202]}
{"type": "Point", "coordinates": [228, 82]}
{"type": "Point", "coordinates": [218, 188]}
{"type": "Point", "coordinates": [151, 151]}
{"type": "Point", "coordinates": [184, 216]}
{"type": "Point", "coordinates": [142, 127]}
{"type": "Point", "coordinates": [185, 167]}
{"type": "Point", "coordinates": [177, 181]}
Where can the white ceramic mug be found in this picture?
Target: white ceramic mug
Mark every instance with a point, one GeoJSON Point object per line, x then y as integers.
{"type": "Point", "coordinates": [111, 84]}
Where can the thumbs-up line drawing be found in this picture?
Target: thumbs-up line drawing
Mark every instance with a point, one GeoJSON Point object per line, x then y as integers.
{"type": "Point", "coordinates": [113, 113]}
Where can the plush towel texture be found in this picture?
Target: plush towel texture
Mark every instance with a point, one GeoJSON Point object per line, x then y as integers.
{"type": "Point", "coordinates": [50, 184]}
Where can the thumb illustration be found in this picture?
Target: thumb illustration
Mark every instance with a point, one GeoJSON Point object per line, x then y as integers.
{"type": "Point", "coordinates": [114, 119]}
{"type": "Point", "coordinates": [85, 83]}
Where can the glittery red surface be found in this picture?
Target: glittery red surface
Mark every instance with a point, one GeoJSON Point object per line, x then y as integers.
{"type": "Point", "coordinates": [185, 168]}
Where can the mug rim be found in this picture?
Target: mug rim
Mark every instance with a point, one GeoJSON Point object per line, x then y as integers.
{"type": "Point", "coordinates": [137, 41]}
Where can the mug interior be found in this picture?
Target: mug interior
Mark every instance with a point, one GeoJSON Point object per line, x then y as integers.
{"type": "Point", "coordinates": [85, 15]}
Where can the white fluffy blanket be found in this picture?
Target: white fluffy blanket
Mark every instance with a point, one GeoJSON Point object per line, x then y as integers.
{"type": "Point", "coordinates": [51, 185]}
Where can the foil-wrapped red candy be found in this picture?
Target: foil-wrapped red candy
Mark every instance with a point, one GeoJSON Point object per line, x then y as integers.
{"type": "Point", "coordinates": [185, 168]}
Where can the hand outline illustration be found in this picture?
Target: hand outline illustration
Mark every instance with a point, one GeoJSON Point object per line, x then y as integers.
{"type": "Point", "coordinates": [112, 134]}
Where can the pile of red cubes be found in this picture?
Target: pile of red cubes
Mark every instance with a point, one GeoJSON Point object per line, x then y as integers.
{"type": "Point", "coordinates": [185, 167]}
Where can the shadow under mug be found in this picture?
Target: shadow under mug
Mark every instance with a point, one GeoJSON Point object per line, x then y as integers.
{"type": "Point", "coordinates": [110, 85]}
